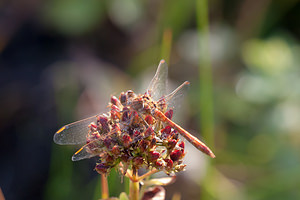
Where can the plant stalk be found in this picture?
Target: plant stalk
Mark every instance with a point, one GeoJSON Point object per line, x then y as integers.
{"type": "Point", "coordinates": [206, 90]}
{"type": "Point", "coordinates": [134, 186]}
{"type": "Point", "coordinates": [104, 187]}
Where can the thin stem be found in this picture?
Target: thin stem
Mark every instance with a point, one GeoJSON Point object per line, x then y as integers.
{"type": "Point", "coordinates": [205, 73]}
{"type": "Point", "coordinates": [166, 45]}
{"type": "Point", "coordinates": [206, 88]}
{"type": "Point", "coordinates": [134, 186]}
{"type": "Point", "coordinates": [147, 174]}
{"type": "Point", "coordinates": [104, 187]}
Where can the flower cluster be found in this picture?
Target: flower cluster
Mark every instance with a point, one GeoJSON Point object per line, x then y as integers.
{"type": "Point", "coordinates": [129, 135]}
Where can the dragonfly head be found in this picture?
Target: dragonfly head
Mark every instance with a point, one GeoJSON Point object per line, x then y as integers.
{"type": "Point", "coordinates": [138, 104]}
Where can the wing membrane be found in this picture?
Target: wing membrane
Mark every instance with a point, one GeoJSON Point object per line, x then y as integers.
{"type": "Point", "coordinates": [174, 98]}
{"type": "Point", "coordinates": [89, 150]}
{"type": "Point", "coordinates": [157, 86]}
{"type": "Point", "coordinates": [74, 133]}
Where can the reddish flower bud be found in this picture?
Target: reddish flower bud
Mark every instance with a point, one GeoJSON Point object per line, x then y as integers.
{"type": "Point", "coordinates": [171, 143]}
{"type": "Point", "coordinates": [94, 135]}
{"type": "Point", "coordinates": [136, 133]}
{"type": "Point", "coordinates": [116, 129]}
{"type": "Point", "coordinates": [92, 125]}
{"type": "Point", "coordinates": [143, 145]}
{"type": "Point", "coordinates": [169, 163]}
{"type": "Point", "coordinates": [153, 142]}
{"type": "Point", "coordinates": [153, 156]}
{"type": "Point", "coordinates": [166, 132]}
{"type": "Point", "coordinates": [102, 168]}
{"type": "Point", "coordinates": [115, 114]}
{"type": "Point", "coordinates": [116, 108]}
{"type": "Point", "coordinates": [159, 164]}
{"type": "Point", "coordinates": [138, 161]}
{"type": "Point", "coordinates": [181, 145]}
{"type": "Point", "coordinates": [115, 150]}
{"type": "Point", "coordinates": [107, 142]}
{"type": "Point", "coordinates": [104, 123]}
{"type": "Point", "coordinates": [175, 135]}
{"type": "Point", "coordinates": [115, 101]}
{"type": "Point", "coordinates": [125, 157]}
{"type": "Point", "coordinates": [149, 119]}
{"type": "Point", "coordinates": [175, 155]}
{"type": "Point", "coordinates": [169, 114]}
{"type": "Point", "coordinates": [108, 159]}
{"type": "Point", "coordinates": [126, 140]}
{"type": "Point", "coordinates": [149, 131]}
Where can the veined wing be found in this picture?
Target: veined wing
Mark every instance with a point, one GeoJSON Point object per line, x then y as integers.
{"type": "Point", "coordinates": [173, 99]}
{"type": "Point", "coordinates": [157, 86]}
{"type": "Point", "coordinates": [89, 150]}
{"type": "Point", "coordinates": [74, 133]}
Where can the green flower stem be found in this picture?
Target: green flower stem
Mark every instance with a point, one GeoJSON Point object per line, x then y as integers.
{"type": "Point", "coordinates": [205, 73]}
{"type": "Point", "coordinates": [206, 89]}
{"type": "Point", "coordinates": [134, 186]}
{"type": "Point", "coordinates": [166, 45]}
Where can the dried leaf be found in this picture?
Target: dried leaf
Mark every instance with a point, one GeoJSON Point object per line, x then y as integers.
{"type": "Point", "coordinates": [154, 193]}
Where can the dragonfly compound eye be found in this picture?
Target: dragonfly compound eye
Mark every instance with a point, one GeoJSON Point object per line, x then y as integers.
{"type": "Point", "coordinates": [130, 94]}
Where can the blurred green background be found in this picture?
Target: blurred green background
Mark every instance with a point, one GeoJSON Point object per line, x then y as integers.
{"type": "Point", "coordinates": [60, 60]}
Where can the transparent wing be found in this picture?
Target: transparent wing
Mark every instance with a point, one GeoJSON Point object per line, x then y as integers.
{"type": "Point", "coordinates": [157, 86]}
{"type": "Point", "coordinates": [89, 150]}
{"type": "Point", "coordinates": [74, 133]}
{"type": "Point", "coordinates": [174, 98]}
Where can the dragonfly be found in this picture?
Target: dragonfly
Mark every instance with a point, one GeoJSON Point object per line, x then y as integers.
{"type": "Point", "coordinates": [152, 105]}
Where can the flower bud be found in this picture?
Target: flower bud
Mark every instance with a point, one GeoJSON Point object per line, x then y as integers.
{"type": "Point", "coordinates": [149, 131]}
{"type": "Point", "coordinates": [169, 163]}
{"type": "Point", "coordinates": [126, 140]}
{"type": "Point", "coordinates": [138, 161]}
{"type": "Point", "coordinates": [176, 155]}
{"type": "Point", "coordinates": [181, 145]}
{"type": "Point", "coordinates": [159, 164]}
{"type": "Point", "coordinates": [102, 168]}
{"type": "Point", "coordinates": [104, 123]}
{"type": "Point", "coordinates": [93, 127]}
{"type": "Point", "coordinates": [115, 150]}
{"type": "Point", "coordinates": [149, 119]}
{"type": "Point", "coordinates": [171, 143]}
{"type": "Point", "coordinates": [116, 130]}
{"type": "Point", "coordinates": [143, 145]}
{"type": "Point", "coordinates": [166, 132]}
{"type": "Point", "coordinates": [169, 114]}
{"type": "Point", "coordinates": [107, 142]}
{"type": "Point", "coordinates": [153, 142]}
{"type": "Point", "coordinates": [153, 156]}
{"type": "Point", "coordinates": [115, 101]}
